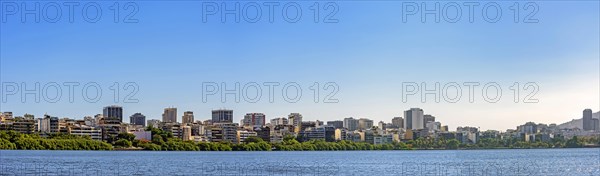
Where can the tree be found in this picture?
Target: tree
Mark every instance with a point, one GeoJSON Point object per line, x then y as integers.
{"type": "Point", "coordinates": [7, 145]}
{"type": "Point", "coordinates": [573, 143]}
{"type": "Point", "coordinates": [253, 139]}
{"type": "Point", "coordinates": [150, 146]}
{"type": "Point", "coordinates": [123, 143]}
{"type": "Point", "coordinates": [127, 136]}
{"type": "Point", "coordinates": [157, 139]}
{"type": "Point", "coordinates": [452, 144]}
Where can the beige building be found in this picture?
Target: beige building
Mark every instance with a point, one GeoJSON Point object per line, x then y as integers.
{"type": "Point", "coordinates": [295, 119]}
{"type": "Point", "coordinates": [243, 135]}
{"type": "Point", "coordinates": [83, 130]}
{"type": "Point", "coordinates": [188, 117]}
{"type": "Point", "coordinates": [170, 115]}
{"type": "Point", "coordinates": [186, 133]}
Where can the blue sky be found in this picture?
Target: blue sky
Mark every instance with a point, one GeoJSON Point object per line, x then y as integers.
{"type": "Point", "coordinates": [369, 53]}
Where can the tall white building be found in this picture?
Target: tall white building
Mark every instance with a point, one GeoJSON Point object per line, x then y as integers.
{"type": "Point", "coordinates": [413, 119]}
{"type": "Point", "coordinates": [351, 124]}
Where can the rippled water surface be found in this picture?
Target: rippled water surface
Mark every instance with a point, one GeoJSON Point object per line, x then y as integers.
{"type": "Point", "coordinates": [440, 162]}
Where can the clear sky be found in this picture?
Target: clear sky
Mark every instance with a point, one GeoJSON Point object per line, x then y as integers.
{"type": "Point", "coordinates": [368, 53]}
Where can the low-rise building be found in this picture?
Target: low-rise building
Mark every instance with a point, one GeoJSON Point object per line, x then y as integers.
{"type": "Point", "coordinates": [264, 133]}
{"type": "Point", "coordinates": [201, 139]}
{"type": "Point", "coordinates": [174, 128]}
{"type": "Point", "coordinates": [153, 122]}
{"type": "Point", "coordinates": [224, 132]}
{"type": "Point", "coordinates": [278, 132]}
{"type": "Point", "coordinates": [340, 134]}
{"type": "Point", "coordinates": [243, 135]}
{"type": "Point", "coordinates": [383, 139]}
{"type": "Point", "coordinates": [94, 133]}
{"type": "Point", "coordinates": [19, 124]}
{"type": "Point", "coordinates": [143, 135]}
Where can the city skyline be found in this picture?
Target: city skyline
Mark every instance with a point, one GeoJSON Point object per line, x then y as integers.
{"type": "Point", "coordinates": [267, 118]}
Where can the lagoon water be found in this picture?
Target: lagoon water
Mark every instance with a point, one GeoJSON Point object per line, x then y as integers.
{"type": "Point", "coordinates": [435, 162]}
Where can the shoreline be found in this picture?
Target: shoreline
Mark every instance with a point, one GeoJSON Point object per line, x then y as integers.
{"type": "Point", "coordinates": [136, 149]}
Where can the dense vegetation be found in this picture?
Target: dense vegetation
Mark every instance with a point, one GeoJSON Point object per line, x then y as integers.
{"type": "Point", "coordinates": [14, 140]}
{"type": "Point", "coordinates": [507, 143]}
{"type": "Point", "coordinates": [164, 141]}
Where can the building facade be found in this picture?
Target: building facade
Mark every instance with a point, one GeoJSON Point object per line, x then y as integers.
{"type": "Point", "coordinates": [336, 124]}
{"type": "Point", "coordinates": [398, 122]}
{"type": "Point", "coordinates": [186, 133]}
{"type": "Point", "coordinates": [113, 112]}
{"type": "Point", "coordinates": [413, 119]}
{"type": "Point", "coordinates": [351, 124]}
{"type": "Point", "coordinates": [94, 133]}
{"type": "Point", "coordinates": [587, 120]}
{"type": "Point", "coordinates": [222, 116]}
{"type": "Point", "coordinates": [244, 134]}
{"type": "Point", "coordinates": [153, 122]}
{"type": "Point", "coordinates": [224, 132]}
{"type": "Point", "coordinates": [137, 119]}
{"type": "Point", "coordinates": [364, 124]}
{"type": "Point", "coordinates": [428, 118]}
{"type": "Point", "coordinates": [254, 120]}
{"type": "Point", "coordinates": [295, 119]}
{"type": "Point", "coordinates": [169, 115]}
{"type": "Point", "coordinates": [188, 117]}
{"type": "Point", "coordinates": [279, 121]}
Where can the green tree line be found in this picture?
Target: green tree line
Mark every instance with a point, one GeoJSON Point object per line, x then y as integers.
{"type": "Point", "coordinates": [11, 140]}
{"type": "Point", "coordinates": [503, 143]}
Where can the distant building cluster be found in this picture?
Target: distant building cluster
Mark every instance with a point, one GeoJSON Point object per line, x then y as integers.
{"type": "Point", "coordinates": [220, 128]}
